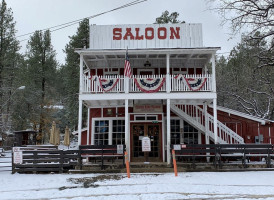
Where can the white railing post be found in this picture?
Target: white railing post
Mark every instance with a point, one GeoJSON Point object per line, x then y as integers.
{"type": "Point", "coordinates": [167, 73]}
{"type": "Point", "coordinates": [126, 84]}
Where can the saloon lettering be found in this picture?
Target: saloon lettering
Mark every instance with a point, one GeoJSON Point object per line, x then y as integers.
{"type": "Point", "coordinates": [130, 34]}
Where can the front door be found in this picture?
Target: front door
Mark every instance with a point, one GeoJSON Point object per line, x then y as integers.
{"type": "Point", "coordinates": [138, 131]}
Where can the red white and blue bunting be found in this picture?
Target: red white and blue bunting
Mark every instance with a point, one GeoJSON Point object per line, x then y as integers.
{"type": "Point", "coordinates": [149, 85]}
{"type": "Point", "coordinates": [193, 84]}
{"type": "Point", "coordinates": [108, 84]}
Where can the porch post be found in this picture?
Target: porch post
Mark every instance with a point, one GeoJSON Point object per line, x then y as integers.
{"type": "Point", "coordinates": [80, 122]}
{"type": "Point", "coordinates": [127, 135]}
{"type": "Point", "coordinates": [206, 128]}
{"type": "Point", "coordinates": [206, 123]}
{"type": "Point", "coordinates": [215, 120]}
{"type": "Point", "coordinates": [215, 99]}
{"type": "Point", "coordinates": [88, 125]}
{"type": "Point", "coordinates": [168, 130]}
{"type": "Point", "coordinates": [167, 73]}
{"type": "Point", "coordinates": [81, 75]}
{"type": "Point", "coordinates": [80, 101]}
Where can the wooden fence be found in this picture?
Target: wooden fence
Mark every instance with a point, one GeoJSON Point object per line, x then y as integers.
{"type": "Point", "coordinates": [5, 158]}
{"type": "Point", "coordinates": [221, 153]}
{"type": "Point", "coordinates": [50, 159]}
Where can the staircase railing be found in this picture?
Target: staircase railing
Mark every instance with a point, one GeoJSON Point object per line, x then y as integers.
{"type": "Point", "coordinates": [196, 116]}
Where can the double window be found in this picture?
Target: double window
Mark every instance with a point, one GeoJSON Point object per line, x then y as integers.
{"type": "Point", "coordinates": [188, 135]}
{"type": "Point", "coordinates": [109, 132]}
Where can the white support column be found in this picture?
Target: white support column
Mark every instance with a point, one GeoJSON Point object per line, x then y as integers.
{"type": "Point", "coordinates": [80, 101]}
{"type": "Point", "coordinates": [81, 85]}
{"type": "Point", "coordinates": [168, 131]}
{"type": "Point", "coordinates": [213, 73]}
{"type": "Point", "coordinates": [167, 73]}
{"type": "Point", "coordinates": [127, 135]}
{"type": "Point", "coordinates": [206, 128]}
{"type": "Point", "coordinates": [80, 122]}
{"type": "Point", "coordinates": [215, 120]}
{"type": "Point", "coordinates": [163, 138]}
{"type": "Point", "coordinates": [88, 123]}
{"type": "Point", "coordinates": [206, 123]}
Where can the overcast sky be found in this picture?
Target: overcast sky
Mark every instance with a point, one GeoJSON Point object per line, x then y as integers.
{"type": "Point", "coordinates": [31, 15]}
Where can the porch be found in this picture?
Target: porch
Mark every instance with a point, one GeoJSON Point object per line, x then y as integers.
{"type": "Point", "coordinates": [174, 76]}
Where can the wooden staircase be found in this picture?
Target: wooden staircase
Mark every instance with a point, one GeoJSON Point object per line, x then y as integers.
{"type": "Point", "coordinates": [196, 116]}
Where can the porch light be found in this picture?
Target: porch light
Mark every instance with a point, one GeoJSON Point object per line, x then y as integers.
{"type": "Point", "coordinates": [147, 64]}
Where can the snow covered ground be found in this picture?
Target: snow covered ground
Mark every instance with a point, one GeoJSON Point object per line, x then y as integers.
{"type": "Point", "coordinates": [194, 185]}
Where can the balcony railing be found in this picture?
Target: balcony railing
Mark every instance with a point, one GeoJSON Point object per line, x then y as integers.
{"type": "Point", "coordinates": [138, 83]}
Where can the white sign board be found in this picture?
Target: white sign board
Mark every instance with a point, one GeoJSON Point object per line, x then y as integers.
{"type": "Point", "coordinates": [146, 146]}
{"type": "Point", "coordinates": [17, 156]}
{"type": "Point", "coordinates": [120, 149]}
{"type": "Point", "coordinates": [177, 147]}
{"type": "Point", "coordinates": [140, 36]}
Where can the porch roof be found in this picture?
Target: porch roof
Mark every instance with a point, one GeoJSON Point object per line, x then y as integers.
{"type": "Point", "coordinates": [99, 57]}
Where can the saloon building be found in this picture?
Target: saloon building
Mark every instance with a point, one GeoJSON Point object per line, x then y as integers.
{"type": "Point", "coordinates": [170, 97]}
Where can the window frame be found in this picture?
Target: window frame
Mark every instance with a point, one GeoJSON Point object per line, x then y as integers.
{"type": "Point", "coordinates": [110, 128]}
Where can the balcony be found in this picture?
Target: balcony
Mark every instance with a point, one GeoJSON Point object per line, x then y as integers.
{"type": "Point", "coordinates": [147, 84]}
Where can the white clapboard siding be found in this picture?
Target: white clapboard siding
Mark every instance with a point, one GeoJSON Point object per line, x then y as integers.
{"type": "Point", "coordinates": [101, 37]}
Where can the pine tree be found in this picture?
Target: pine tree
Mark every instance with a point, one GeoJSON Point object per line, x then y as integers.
{"type": "Point", "coordinates": [241, 85]}
{"type": "Point", "coordinates": [70, 73]}
{"type": "Point", "coordinates": [38, 74]}
{"type": "Point", "coordinates": [166, 18]}
{"type": "Point", "coordinates": [9, 48]}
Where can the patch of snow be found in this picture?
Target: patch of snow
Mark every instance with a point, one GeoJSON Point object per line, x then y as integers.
{"type": "Point", "coordinates": [198, 185]}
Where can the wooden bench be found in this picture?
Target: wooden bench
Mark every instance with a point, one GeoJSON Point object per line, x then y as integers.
{"type": "Point", "coordinates": [245, 152]}
{"type": "Point", "coordinates": [196, 152]}
{"type": "Point", "coordinates": [101, 152]}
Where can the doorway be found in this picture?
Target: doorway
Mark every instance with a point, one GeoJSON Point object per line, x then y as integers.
{"type": "Point", "coordinates": [153, 132]}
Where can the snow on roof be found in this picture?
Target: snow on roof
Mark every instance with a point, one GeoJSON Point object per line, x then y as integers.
{"type": "Point", "coordinates": [244, 115]}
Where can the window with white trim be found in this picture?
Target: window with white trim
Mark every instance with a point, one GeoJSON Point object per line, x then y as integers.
{"type": "Point", "coordinates": [175, 131]}
{"type": "Point", "coordinates": [118, 132]}
{"type": "Point", "coordinates": [190, 134]}
{"type": "Point", "coordinates": [146, 117]}
{"type": "Point", "coordinates": [101, 131]}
